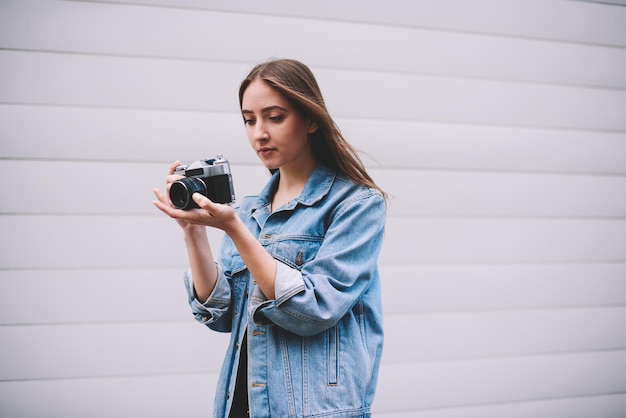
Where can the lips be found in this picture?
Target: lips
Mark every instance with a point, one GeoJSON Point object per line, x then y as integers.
{"type": "Point", "coordinates": [265, 151]}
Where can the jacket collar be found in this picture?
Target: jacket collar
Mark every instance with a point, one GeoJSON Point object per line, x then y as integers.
{"type": "Point", "coordinates": [317, 187]}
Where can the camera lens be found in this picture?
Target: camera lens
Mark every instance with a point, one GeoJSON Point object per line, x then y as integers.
{"type": "Point", "coordinates": [182, 190]}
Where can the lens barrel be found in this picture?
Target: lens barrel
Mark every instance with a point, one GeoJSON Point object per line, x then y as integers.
{"type": "Point", "coordinates": [182, 190]}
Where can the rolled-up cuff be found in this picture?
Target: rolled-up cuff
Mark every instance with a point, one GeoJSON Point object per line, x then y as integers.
{"type": "Point", "coordinates": [218, 301]}
{"type": "Point", "coordinates": [288, 282]}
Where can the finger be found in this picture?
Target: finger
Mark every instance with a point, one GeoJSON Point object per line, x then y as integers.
{"type": "Point", "coordinates": [158, 194]}
{"type": "Point", "coordinates": [163, 198]}
{"type": "Point", "coordinates": [202, 201]}
{"type": "Point", "coordinates": [173, 167]}
{"type": "Point", "coordinates": [166, 207]}
{"type": "Point", "coordinates": [169, 180]}
{"type": "Point", "coordinates": [171, 176]}
{"type": "Point", "coordinates": [161, 201]}
{"type": "Point", "coordinates": [161, 206]}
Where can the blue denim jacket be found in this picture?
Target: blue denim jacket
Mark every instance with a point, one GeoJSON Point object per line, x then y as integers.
{"type": "Point", "coordinates": [315, 349]}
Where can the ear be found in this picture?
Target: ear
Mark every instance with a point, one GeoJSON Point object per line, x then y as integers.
{"type": "Point", "coordinates": [312, 127]}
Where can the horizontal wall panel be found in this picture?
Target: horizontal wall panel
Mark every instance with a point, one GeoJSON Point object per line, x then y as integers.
{"type": "Point", "coordinates": [125, 134]}
{"type": "Point", "coordinates": [462, 146]}
{"type": "Point", "coordinates": [440, 194]}
{"type": "Point", "coordinates": [109, 350]}
{"type": "Point", "coordinates": [121, 397]}
{"type": "Point", "coordinates": [87, 296]}
{"type": "Point", "coordinates": [418, 386]}
{"type": "Point", "coordinates": [98, 188]}
{"type": "Point", "coordinates": [83, 80]}
{"type": "Point", "coordinates": [607, 406]}
{"type": "Point", "coordinates": [90, 350]}
{"type": "Point", "coordinates": [166, 396]}
{"type": "Point", "coordinates": [119, 242]}
{"type": "Point", "coordinates": [44, 78]}
{"type": "Point", "coordinates": [577, 21]}
{"type": "Point", "coordinates": [424, 289]}
{"type": "Point", "coordinates": [80, 27]}
{"type": "Point", "coordinates": [443, 99]}
{"type": "Point", "coordinates": [464, 241]}
{"type": "Point", "coordinates": [103, 187]}
{"type": "Point", "coordinates": [447, 336]}
{"type": "Point", "coordinates": [66, 296]}
{"type": "Point", "coordinates": [94, 242]}
{"type": "Point", "coordinates": [122, 134]}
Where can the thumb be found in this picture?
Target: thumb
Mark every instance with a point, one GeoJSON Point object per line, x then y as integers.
{"type": "Point", "coordinates": [200, 199]}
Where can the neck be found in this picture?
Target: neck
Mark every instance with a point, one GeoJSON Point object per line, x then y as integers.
{"type": "Point", "coordinates": [291, 184]}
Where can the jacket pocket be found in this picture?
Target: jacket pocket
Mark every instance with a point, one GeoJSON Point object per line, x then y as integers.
{"type": "Point", "coordinates": [296, 251]}
{"type": "Point", "coordinates": [333, 355]}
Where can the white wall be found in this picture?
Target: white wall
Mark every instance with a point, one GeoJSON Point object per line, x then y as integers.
{"type": "Point", "coordinates": [499, 127]}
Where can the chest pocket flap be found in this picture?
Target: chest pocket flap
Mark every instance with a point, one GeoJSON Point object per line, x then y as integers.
{"type": "Point", "coordinates": [296, 251]}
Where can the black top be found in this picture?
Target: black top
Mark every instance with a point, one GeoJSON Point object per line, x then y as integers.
{"type": "Point", "coordinates": [240, 400]}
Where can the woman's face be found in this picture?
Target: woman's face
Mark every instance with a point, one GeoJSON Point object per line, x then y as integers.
{"type": "Point", "coordinates": [278, 133]}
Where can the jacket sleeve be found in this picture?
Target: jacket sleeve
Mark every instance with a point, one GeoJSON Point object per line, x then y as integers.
{"type": "Point", "coordinates": [315, 298]}
{"type": "Point", "coordinates": [215, 311]}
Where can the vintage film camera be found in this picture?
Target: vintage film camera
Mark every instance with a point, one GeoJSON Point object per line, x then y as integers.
{"type": "Point", "coordinates": [210, 177]}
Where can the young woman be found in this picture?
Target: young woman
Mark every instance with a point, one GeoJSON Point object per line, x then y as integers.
{"type": "Point", "coordinates": [296, 281]}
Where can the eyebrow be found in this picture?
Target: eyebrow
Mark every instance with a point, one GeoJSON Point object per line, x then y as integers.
{"type": "Point", "coordinates": [266, 109]}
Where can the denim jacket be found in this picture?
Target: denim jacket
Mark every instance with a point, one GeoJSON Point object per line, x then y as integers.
{"type": "Point", "coordinates": [314, 350]}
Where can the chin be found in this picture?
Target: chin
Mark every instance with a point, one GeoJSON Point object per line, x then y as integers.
{"type": "Point", "coordinates": [270, 166]}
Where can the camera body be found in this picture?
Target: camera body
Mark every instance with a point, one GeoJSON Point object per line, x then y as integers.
{"type": "Point", "coordinates": [210, 177]}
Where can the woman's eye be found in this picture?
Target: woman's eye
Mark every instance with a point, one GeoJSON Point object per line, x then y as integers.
{"type": "Point", "coordinates": [248, 121]}
{"type": "Point", "coordinates": [277, 118]}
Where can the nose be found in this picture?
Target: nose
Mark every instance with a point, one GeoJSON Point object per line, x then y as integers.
{"type": "Point", "coordinates": [260, 133]}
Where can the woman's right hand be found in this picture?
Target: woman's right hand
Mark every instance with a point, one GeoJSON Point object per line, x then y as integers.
{"type": "Point", "coordinates": [193, 221]}
{"type": "Point", "coordinates": [163, 202]}
{"type": "Point", "coordinates": [204, 271]}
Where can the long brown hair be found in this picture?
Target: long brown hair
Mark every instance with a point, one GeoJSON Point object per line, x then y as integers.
{"type": "Point", "coordinates": [297, 84]}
